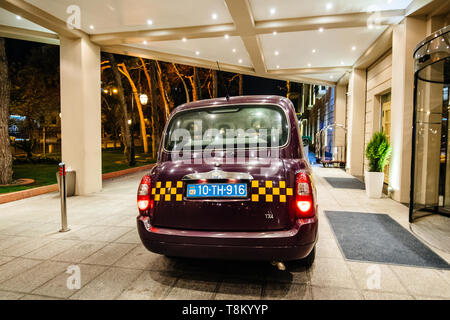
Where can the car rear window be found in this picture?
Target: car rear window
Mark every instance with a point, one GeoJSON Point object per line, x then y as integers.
{"type": "Point", "coordinates": [235, 126]}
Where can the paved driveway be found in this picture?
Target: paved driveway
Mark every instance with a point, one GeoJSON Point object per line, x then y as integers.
{"type": "Point", "coordinates": [104, 246]}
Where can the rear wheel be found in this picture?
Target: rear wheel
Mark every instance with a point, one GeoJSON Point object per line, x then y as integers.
{"type": "Point", "coordinates": [309, 259]}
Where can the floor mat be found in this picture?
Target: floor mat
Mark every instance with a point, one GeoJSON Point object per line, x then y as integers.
{"type": "Point", "coordinates": [378, 238]}
{"type": "Point", "coordinates": [345, 183]}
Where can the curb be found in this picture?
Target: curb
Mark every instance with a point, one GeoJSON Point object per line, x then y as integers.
{"type": "Point", "coordinates": [19, 195]}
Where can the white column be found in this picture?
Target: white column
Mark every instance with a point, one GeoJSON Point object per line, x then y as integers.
{"type": "Point", "coordinates": [339, 119]}
{"type": "Point", "coordinates": [356, 118]}
{"type": "Point", "coordinates": [81, 112]}
{"type": "Point", "coordinates": [405, 37]}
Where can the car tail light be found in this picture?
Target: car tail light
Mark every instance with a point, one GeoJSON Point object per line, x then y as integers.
{"type": "Point", "coordinates": [303, 196]}
{"type": "Point", "coordinates": [144, 202]}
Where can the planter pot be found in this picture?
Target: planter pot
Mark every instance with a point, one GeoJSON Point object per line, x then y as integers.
{"type": "Point", "coordinates": [374, 184]}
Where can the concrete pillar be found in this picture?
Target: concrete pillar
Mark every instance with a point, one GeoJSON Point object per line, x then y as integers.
{"type": "Point", "coordinates": [356, 119]}
{"type": "Point", "coordinates": [406, 36]}
{"type": "Point", "coordinates": [339, 119]}
{"type": "Point", "coordinates": [81, 112]}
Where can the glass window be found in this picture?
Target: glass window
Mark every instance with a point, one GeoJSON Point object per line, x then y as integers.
{"type": "Point", "coordinates": [232, 126]}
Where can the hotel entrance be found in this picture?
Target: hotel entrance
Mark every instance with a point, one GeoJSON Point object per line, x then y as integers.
{"type": "Point", "coordinates": [430, 176]}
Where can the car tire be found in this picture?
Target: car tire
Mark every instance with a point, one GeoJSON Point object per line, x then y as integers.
{"type": "Point", "coordinates": [309, 259]}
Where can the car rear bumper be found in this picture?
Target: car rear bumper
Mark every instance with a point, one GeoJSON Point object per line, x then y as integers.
{"type": "Point", "coordinates": [295, 243]}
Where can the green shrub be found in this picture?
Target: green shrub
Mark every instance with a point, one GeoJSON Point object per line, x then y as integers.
{"type": "Point", "coordinates": [377, 152]}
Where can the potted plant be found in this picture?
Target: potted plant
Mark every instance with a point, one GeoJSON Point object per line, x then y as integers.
{"type": "Point", "coordinates": [377, 152]}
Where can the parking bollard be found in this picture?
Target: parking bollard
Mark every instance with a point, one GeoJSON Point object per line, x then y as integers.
{"type": "Point", "coordinates": [63, 194]}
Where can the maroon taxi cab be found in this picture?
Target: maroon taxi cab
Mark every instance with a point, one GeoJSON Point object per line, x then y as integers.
{"type": "Point", "coordinates": [231, 182]}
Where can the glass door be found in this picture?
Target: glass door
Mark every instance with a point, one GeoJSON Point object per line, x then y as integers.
{"type": "Point", "coordinates": [386, 125]}
{"type": "Point", "coordinates": [430, 179]}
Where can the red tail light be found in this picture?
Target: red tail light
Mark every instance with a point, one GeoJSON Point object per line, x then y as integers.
{"type": "Point", "coordinates": [144, 202]}
{"type": "Point", "coordinates": [303, 196]}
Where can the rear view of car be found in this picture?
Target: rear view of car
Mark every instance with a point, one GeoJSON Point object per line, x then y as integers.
{"type": "Point", "coordinates": [231, 182]}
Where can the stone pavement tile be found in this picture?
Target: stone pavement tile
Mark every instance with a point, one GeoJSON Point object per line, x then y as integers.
{"type": "Point", "coordinates": [366, 275]}
{"type": "Point", "coordinates": [423, 282]}
{"type": "Point", "coordinates": [327, 248]}
{"type": "Point", "coordinates": [34, 277]}
{"type": "Point", "coordinates": [377, 295]}
{"type": "Point", "coordinates": [129, 237]}
{"type": "Point", "coordinates": [140, 258]}
{"type": "Point", "coordinates": [15, 267]}
{"type": "Point", "coordinates": [109, 254]}
{"type": "Point", "coordinates": [328, 293]}
{"type": "Point", "coordinates": [57, 287]}
{"type": "Point", "coordinates": [37, 297]}
{"type": "Point", "coordinates": [429, 298]}
{"type": "Point", "coordinates": [10, 241]}
{"type": "Point", "coordinates": [84, 232]}
{"type": "Point", "coordinates": [328, 272]}
{"type": "Point", "coordinates": [110, 234]}
{"type": "Point", "coordinates": [238, 289]}
{"type": "Point", "coordinates": [51, 249]}
{"type": "Point", "coordinates": [107, 286]}
{"type": "Point", "coordinates": [4, 260]}
{"type": "Point", "coordinates": [6, 295]}
{"type": "Point", "coordinates": [149, 285]}
{"type": "Point", "coordinates": [79, 252]}
{"type": "Point", "coordinates": [287, 291]}
{"type": "Point", "coordinates": [128, 222]}
{"type": "Point", "coordinates": [26, 246]}
{"type": "Point", "coordinates": [193, 287]}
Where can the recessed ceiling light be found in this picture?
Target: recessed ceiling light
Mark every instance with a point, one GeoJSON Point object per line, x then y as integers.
{"type": "Point", "coordinates": [184, 39]}
{"type": "Point", "coordinates": [313, 50]}
{"type": "Point", "coordinates": [276, 53]}
{"type": "Point", "coordinates": [214, 16]}
{"type": "Point", "coordinates": [320, 29]}
{"type": "Point", "coordinates": [274, 33]}
{"type": "Point", "coordinates": [278, 67]}
{"type": "Point", "coordinates": [342, 62]}
{"type": "Point", "coordinates": [197, 52]}
{"type": "Point", "coordinates": [144, 42]}
{"type": "Point", "coordinates": [309, 64]}
{"type": "Point", "coordinates": [272, 11]}
{"type": "Point", "coordinates": [353, 48]}
{"type": "Point", "coordinates": [226, 36]}
{"type": "Point", "coordinates": [331, 77]}
{"type": "Point", "coordinates": [240, 60]}
{"type": "Point", "coordinates": [389, 1]}
{"type": "Point", "coordinates": [329, 5]}
{"type": "Point", "coordinates": [234, 50]}
{"type": "Point", "coordinates": [149, 22]}
{"type": "Point", "coordinates": [370, 26]}
{"type": "Point", "coordinates": [18, 17]}
{"type": "Point", "coordinates": [91, 27]}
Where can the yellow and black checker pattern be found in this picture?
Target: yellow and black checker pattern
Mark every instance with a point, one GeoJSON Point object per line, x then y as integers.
{"type": "Point", "coordinates": [270, 191]}
{"type": "Point", "coordinates": [168, 191]}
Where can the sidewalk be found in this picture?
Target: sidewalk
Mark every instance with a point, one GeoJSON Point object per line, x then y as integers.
{"type": "Point", "coordinates": [104, 244]}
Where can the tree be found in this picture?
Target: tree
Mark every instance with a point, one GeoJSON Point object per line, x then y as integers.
{"type": "Point", "coordinates": [181, 77]}
{"type": "Point", "coordinates": [126, 137]}
{"type": "Point", "coordinates": [163, 91]}
{"type": "Point", "coordinates": [123, 69]}
{"type": "Point", "coordinates": [151, 89]}
{"type": "Point", "coordinates": [5, 149]}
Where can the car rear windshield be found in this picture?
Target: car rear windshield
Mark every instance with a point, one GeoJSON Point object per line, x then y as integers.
{"type": "Point", "coordinates": [238, 126]}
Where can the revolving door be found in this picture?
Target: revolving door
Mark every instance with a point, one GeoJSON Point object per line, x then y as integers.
{"type": "Point", "coordinates": [430, 170]}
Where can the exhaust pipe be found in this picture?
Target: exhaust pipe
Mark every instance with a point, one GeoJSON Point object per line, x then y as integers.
{"type": "Point", "coordinates": [279, 264]}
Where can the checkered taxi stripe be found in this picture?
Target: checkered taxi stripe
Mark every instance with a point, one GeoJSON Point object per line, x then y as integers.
{"type": "Point", "coordinates": [270, 191]}
{"type": "Point", "coordinates": [261, 190]}
{"type": "Point", "coordinates": [169, 192]}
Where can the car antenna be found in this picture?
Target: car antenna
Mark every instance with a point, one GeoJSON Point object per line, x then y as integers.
{"type": "Point", "coordinates": [226, 87]}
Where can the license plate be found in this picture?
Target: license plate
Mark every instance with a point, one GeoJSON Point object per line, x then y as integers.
{"type": "Point", "coordinates": [217, 190]}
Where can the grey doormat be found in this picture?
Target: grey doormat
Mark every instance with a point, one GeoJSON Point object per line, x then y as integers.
{"type": "Point", "coordinates": [378, 238]}
{"type": "Point", "coordinates": [345, 183]}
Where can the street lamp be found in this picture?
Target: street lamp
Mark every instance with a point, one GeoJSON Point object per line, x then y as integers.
{"type": "Point", "coordinates": [143, 98]}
